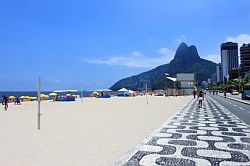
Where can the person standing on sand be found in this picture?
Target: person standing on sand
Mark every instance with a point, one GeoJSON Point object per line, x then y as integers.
{"type": "Point", "coordinates": [200, 98]}
{"type": "Point", "coordinates": [5, 102]}
{"type": "Point", "coordinates": [17, 101]}
{"type": "Point", "coordinates": [194, 93]}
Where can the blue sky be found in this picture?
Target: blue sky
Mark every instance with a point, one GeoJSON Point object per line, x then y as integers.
{"type": "Point", "coordinates": [92, 44]}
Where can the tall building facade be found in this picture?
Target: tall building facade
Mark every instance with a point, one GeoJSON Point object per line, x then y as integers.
{"type": "Point", "coordinates": [218, 73]}
{"type": "Point", "coordinates": [245, 58]}
{"type": "Point", "coordinates": [229, 58]}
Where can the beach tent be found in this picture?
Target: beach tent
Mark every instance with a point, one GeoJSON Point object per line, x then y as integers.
{"type": "Point", "coordinates": [123, 92]}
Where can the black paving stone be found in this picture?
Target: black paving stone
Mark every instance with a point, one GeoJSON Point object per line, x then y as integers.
{"type": "Point", "coordinates": [186, 131]}
{"type": "Point", "coordinates": [239, 146]}
{"type": "Point", "coordinates": [239, 157]}
{"type": "Point", "coordinates": [174, 161]}
{"type": "Point", "coordinates": [245, 139]}
{"type": "Point", "coordinates": [233, 134]}
{"type": "Point", "coordinates": [167, 150]}
{"type": "Point", "coordinates": [183, 142]}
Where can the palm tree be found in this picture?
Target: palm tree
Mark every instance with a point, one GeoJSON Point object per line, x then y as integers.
{"type": "Point", "coordinates": [245, 80]}
{"type": "Point", "coordinates": [233, 84]}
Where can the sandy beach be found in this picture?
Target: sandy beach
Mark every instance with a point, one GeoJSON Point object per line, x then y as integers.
{"type": "Point", "coordinates": [92, 132]}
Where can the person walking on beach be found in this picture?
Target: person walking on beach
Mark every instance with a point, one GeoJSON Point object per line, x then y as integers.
{"type": "Point", "coordinates": [200, 98]}
{"type": "Point", "coordinates": [5, 102]}
{"type": "Point", "coordinates": [194, 93]}
{"type": "Point", "coordinates": [17, 101]}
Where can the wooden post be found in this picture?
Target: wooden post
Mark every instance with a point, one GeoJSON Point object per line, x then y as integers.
{"type": "Point", "coordinates": [147, 93]}
{"type": "Point", "coordinates": [81, 95]}
{"type": "Point", "coordinates": [39, 102]}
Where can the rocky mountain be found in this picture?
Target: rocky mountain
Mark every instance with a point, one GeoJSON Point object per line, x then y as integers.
{"type": "Point", "coordinates": [186, 60]}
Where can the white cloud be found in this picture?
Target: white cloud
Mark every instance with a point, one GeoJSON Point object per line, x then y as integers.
{"type": "Point", "coordinates": [137, 59]}
{"type": "Point", "coordinates": [213, 57]}
{"type": "Point", "coordinates": [240, 39]}
{"type": "Point", "coordinates": [181, 39]}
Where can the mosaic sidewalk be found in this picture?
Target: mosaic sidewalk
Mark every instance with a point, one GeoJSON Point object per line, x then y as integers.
{"type": "Point", "coordinates": [195, 136]}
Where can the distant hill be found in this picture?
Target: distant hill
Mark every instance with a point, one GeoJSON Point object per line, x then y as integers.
{"type": "Point", "coordinates": [186, 60]}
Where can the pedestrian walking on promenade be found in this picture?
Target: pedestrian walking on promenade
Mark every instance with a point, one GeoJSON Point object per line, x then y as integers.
{"type": "Point", "coordinates": [200, 98]}
{"type": "Point", "coordinates": [194, 93]}
{"type": "Point", "coordinates": [225, 93]}
{"type": "Point", "coordinates": [5, 102]}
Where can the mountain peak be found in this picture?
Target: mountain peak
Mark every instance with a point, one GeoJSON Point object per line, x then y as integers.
{"type": "Point", "coordinates": [184, 51]}
{"type": "Point", "coordinates": [183, 45]}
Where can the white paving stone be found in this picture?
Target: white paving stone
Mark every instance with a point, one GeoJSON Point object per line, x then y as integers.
{"type": "Point", "coordinates": [163, 141]}
{"type": "Point", "coordinates": [208, 128]}
{"type": "Point", "coordinates": [211, 138]}
{"type": "Point", "coordinates": [230, 163]}
{"type": "Point", "coordinates": [151, 148]}
{"type": "Point", "coordinates": [162, 135]}
{"type": "Point", "coordinates": [213, 153]}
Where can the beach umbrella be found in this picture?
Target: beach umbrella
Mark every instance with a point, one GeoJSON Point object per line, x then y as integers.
{"type": "Point", "coordinates": [53, 94]}
{"type": "Point", "coordinates": [11, 97]}
{"type": "Point", "coordinates": [42, 95]}
{"type": "Point", "coordinates": [24, 97]}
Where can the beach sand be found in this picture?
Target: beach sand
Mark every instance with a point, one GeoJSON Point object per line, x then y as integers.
{"type": "Point", "coordinates": [92, 132]}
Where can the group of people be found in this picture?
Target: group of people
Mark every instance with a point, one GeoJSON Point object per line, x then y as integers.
{"type": "Point", "coordinates": [200, 96]}
{"type": "Point", "coordinates": [5, 102]}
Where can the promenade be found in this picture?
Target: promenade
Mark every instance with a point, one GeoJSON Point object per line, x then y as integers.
{"type": "Point", "coordinates": [195, 136]}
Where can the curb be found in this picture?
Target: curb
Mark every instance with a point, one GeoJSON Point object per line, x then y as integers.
{"type": "Point", "coordinates": [244, 102]}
